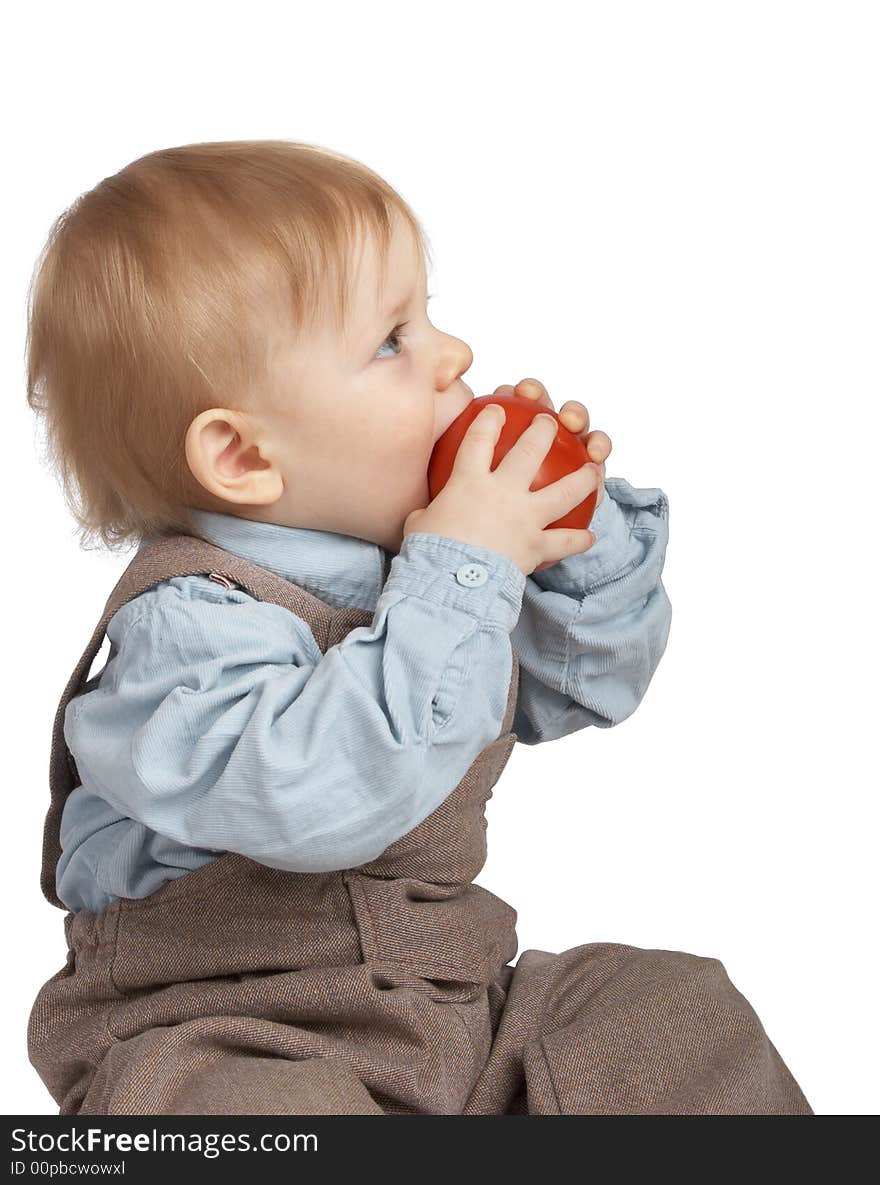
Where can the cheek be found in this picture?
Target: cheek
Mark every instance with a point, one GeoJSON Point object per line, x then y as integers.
{"type": "Point", "coordinates": [395, 416]}
{"type": "Point", "coordinates": [415, 439]}
{"type": "Point", "coordinates": [407, 425]}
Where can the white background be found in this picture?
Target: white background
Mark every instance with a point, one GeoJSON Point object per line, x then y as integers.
{"type": "Point", "coordinates": [670, 212]}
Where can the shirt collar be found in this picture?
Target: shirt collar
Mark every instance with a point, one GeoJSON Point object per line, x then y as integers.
{"type": "Point", "coordinates": [343, 570]}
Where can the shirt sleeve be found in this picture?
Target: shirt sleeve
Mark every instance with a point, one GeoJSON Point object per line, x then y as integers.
{"type": "Point", "coordinates": [220, 724]}
{"type": "Point", "coordinates": [594, 626]}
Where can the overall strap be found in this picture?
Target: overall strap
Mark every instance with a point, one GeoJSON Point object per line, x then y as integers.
{"type": "Point", "coordinates": [177, 555]}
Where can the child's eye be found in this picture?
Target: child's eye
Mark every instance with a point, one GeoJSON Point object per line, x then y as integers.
{"type": "Point", "coordinates": [397, 335]}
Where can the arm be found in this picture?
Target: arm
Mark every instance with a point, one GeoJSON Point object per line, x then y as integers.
{"type": "Point", "coordinates": [224, 727]}
{"type": "Point", "coordinates": [594, 626]}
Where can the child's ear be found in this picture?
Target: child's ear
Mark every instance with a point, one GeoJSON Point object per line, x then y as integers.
{"type": "Point", "coordinates": [224, 455]}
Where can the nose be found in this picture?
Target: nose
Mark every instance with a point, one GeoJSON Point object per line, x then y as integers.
{"type": "Point", "coordinates": [454, 359]}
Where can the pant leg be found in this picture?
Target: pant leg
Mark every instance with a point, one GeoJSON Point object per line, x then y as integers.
{"type": "Point", "coordinates": [275, 1086]}
{"type": "Point", "coordinates": [607, 1029]}
{"type": "Point", "coordinates": [155, 1073]}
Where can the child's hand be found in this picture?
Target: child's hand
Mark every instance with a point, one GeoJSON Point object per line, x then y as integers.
{"type": "Point", "coordinates": [574, 416]}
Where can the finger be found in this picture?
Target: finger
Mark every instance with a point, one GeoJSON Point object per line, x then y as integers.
{"type": "Point", "coordinates": [598, 446]}
{"type": "Point", "coordinates": [529, 389]}
{"type": "Point", "coordinates": [562, 495]}
{"type": "Point", "coordinates": [575, 416]}
{"type": "Point", "coordinates": [560, 542]}
{"type": "Point", "coordinates": [477, 448]}
{"type": "Point", "coordinates": [525, 457]}
{"type": "Point", "coordinates": [533, 389]}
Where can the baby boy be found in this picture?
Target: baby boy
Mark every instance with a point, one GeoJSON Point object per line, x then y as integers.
{"type": "Point", "coordinates": [267, 809]}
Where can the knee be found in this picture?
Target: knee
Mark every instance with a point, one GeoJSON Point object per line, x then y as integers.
{"type": "Point", "coordinates": [693, 994]}
{"type": "Point", "coordinates": [661, 987]}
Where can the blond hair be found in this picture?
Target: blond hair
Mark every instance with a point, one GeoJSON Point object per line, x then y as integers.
{"type": "Point", "coordinates": [143, 310]}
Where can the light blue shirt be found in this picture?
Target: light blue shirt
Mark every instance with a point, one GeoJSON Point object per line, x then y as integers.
{"type": "Point", "coordinates": [218, 725]}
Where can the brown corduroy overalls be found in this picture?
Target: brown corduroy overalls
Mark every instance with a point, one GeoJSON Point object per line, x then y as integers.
{"type": "Point", "coordinates": [387, 989]}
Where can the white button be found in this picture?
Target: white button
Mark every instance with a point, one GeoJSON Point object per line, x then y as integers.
{"type": "Point", "coordinates": [471, 575]}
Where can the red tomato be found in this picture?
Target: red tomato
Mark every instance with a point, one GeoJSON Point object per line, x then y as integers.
{"type": "Point", "coordinates": [566, 454]}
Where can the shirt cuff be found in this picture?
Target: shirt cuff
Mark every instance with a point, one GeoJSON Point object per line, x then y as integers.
{"type": "Point", "coordinates": [623, 508]}
{"type": "Point", "coordinates": [466, 576]}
